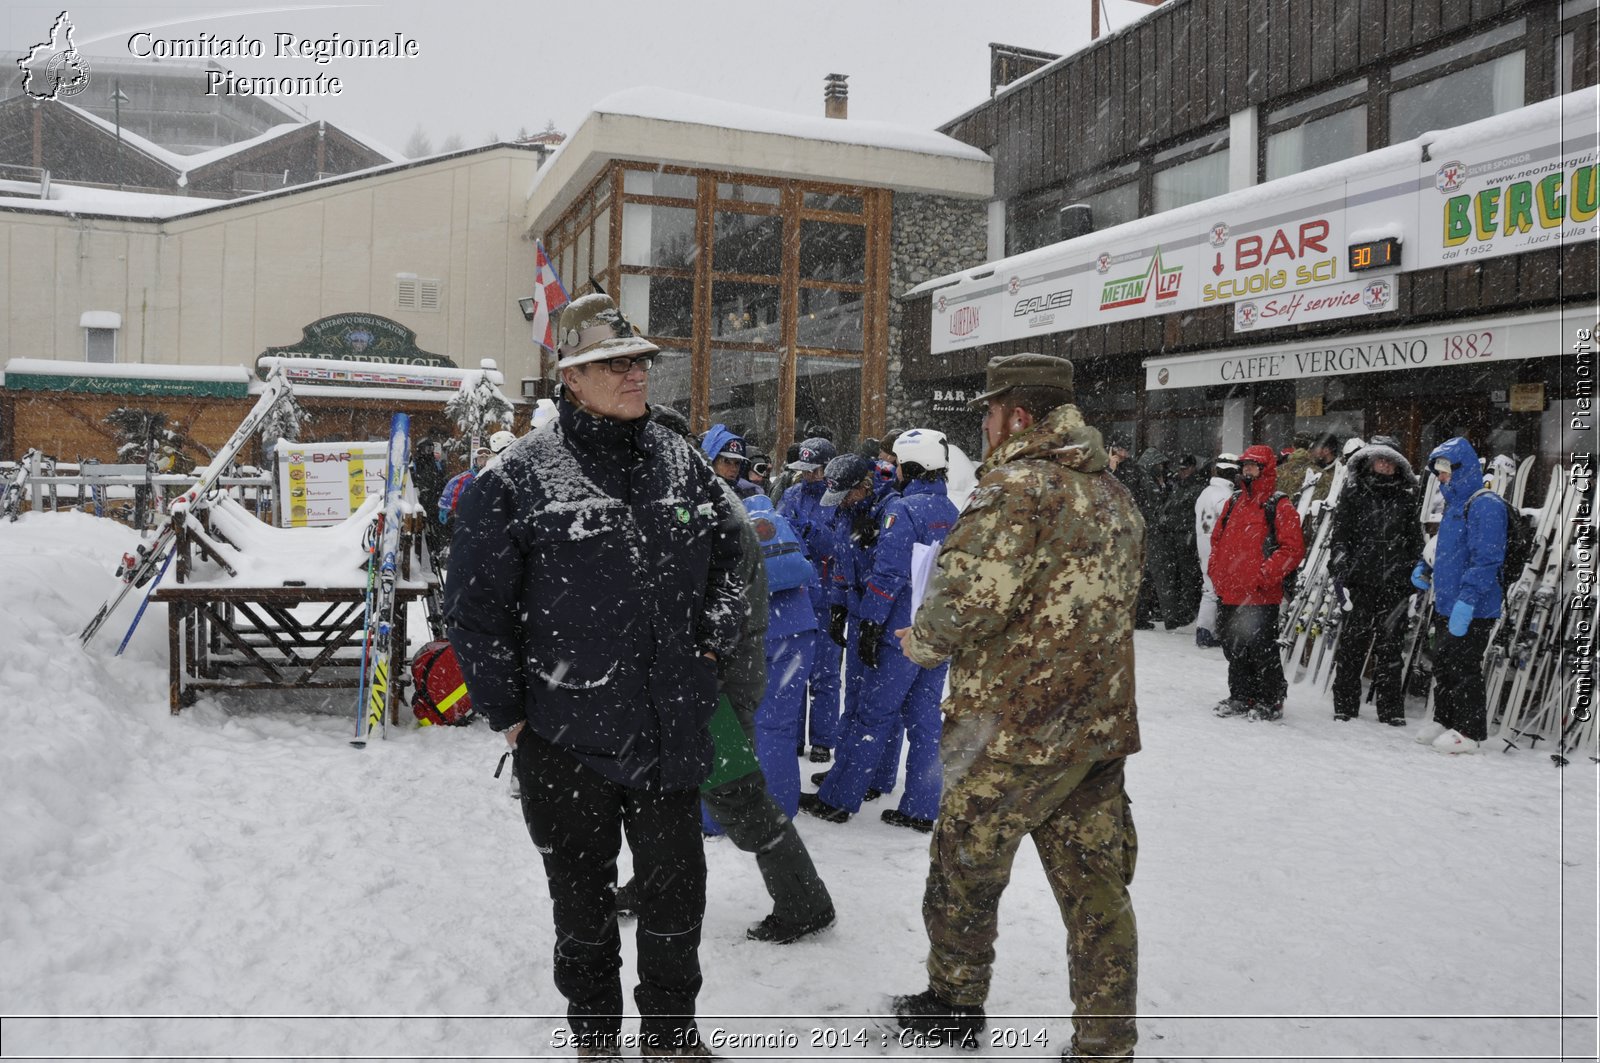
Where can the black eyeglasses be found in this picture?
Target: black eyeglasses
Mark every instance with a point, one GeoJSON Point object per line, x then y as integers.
{"type": "Point", "coordinates": [623, 363]}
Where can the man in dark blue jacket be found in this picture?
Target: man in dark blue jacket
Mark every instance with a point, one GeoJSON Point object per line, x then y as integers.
{"type": "Point", "coordinates": [592, 589]}
{"type": "Point", "coordinates": [1466, 597]}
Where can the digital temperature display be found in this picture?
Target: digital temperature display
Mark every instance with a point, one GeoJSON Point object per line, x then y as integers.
{"type": "Point", "coordinates": [1375, 254]}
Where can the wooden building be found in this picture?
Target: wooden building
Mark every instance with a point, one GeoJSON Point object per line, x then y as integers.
{"type": "Point", "coordinates": [760, 250]}
{"type": "Point", "coordinates": [1210, 124]}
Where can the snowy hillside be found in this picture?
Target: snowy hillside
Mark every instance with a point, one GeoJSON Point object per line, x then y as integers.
{"type": "Point", "coordinates": [238, 880]}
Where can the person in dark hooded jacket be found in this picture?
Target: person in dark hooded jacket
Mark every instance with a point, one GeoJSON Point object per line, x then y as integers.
{"type": "Point", "coordinates": [593, 589]}
{"type": "Point", "coordinates": [1256, 543]}
{"type": "Point", "coordinates": [1373, 542]}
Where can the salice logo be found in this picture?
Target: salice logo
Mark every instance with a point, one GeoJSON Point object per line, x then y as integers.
{"type": "Point", "coordinates": [1448, 177]}
{"type": "Point", "coordinates": [1247, 315]}
{"type": "Point", "coordinates": [1014, 285]}
{"type": "Point", "coordinates": [1376, 295]}
{"type": "Point", "coordinates": [964, 322]}
{"type": "Point", "coordinates": [940, 304]}
{"type": "Point", "coordinates": [1219, 234]}
{"type": "Point", "coordinates": [1102, 264]}
{"type": "Point", "coordinates": [54, 69]}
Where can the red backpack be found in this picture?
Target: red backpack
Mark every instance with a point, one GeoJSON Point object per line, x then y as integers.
{"type": "Point", "coordinates": [441, 693]}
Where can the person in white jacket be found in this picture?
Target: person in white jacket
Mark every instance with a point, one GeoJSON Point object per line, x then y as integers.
{"type": "Point", "coordinates": [1224, 472]}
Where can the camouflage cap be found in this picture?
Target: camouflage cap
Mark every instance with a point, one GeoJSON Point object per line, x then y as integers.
{"type": "Point", "coordinates": [1023, 370]}
{"type": "Point", "coordinates": [592, 329]}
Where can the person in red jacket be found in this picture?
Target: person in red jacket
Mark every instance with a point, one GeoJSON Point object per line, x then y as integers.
{"type": "Point", "coordinates": [1255, 545]}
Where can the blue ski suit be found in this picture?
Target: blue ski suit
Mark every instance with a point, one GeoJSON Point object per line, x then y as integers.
{"type": "Point", "coordinates": [897, 690]}
{"type": "Point", "coordinates": [791, 639]}
{"type": "Point", "coordinates": [852, 567]}
{"type": "Point", "coordinates": [1471, 547]}
{"type": "Point", "coordinates": [802, 506]}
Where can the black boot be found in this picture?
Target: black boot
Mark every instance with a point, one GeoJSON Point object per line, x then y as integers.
{"type": "Point", "coordinates": [813, 805]}
{"type": "Point", "coordinates": [896, 818]}
{"type": "Point", "coordinates": [940, 1021]}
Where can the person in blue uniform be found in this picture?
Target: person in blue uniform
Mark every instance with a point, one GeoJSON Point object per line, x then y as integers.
{"type": "Point", "coordinates": [794, 595]}
{"type": "Point", "coordinates": [895, 688]}
{"type": "Point", "coordinates": [801, 505]}
{"type": "Point", "coordinates": [854, 493]}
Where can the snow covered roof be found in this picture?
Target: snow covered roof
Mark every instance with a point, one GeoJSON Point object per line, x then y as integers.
{"type": "Point", "coordinates": [185, 164]}
{"type": "Point", "coordinates": [78, 199]}
{"type": "Point", "coordinates": [230, 374]}
{"type": "Point", "coordinates": [113, 203]}
{"type": "Point", "coordinates": [667, 127]}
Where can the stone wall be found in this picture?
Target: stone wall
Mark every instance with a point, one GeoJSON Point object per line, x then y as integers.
{"type": "Point", "coordinates": [932, 236]}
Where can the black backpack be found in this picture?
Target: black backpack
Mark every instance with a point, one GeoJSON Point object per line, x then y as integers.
{"type": "Point", "coordinates": [1519, 539]}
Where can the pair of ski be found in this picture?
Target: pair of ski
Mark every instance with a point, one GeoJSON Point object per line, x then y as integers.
{"type": "Point", "coordinates": [1526, 677]}
{"type": "Point", "coordinates": [1310, 623]}
{"type": "Point", "coordinates": [377, 688]}
{"type": "Point", "coordinates": [149, 563]}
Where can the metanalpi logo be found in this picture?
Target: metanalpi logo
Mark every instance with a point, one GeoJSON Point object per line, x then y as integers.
{"type": "Point", "coordinates": [54, 69]}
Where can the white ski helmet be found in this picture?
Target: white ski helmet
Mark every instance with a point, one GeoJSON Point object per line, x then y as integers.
{"type": "Point", "coordinates": [501, 440]}
{"type": "Point", "coordinates": [924, 447]}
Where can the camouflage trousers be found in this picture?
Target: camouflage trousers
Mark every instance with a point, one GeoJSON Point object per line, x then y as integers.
{"type": "Point", "coordinates": [1080, 822]}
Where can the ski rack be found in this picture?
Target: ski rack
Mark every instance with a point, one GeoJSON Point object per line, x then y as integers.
{"type": "Point", "coordinates": [230, 634]}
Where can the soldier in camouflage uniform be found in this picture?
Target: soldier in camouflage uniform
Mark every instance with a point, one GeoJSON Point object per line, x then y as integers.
{"type": "Point", "coordinates": [1033, 605]}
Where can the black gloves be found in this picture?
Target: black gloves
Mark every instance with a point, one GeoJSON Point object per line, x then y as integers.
{"type": "Point", "coordinates": [871, 640]}
{"type": "Point", "coordinates": [838, 617]}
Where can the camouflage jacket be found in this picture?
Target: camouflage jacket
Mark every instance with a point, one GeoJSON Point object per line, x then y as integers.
{"type": "Point", "coordinates": [1033, 604]}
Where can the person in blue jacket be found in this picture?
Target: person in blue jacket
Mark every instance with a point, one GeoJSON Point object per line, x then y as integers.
{"type": "Point", "coordinates": [729, 457]}
{"type": "Point", "coordinates": [1466, 597]}
{"type": "Point", "coordinates": [896, 688]}
{"type": "Point", "coordinates": [801, 506]}
{"type": "Point", "coordinates": [854, 493]}
{"type": "Point", "coordinates": [793, 596]}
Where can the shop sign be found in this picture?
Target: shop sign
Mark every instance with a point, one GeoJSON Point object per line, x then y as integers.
{"type": "Point", "coordinates": [1265, 258]}
{"type": "Point", "coordinates": [965, 319]}
{"type": "Point", "coordinates": [1498, 339]}
{"type": "Point", "coordinates": [949, 400]}
{"type": "Point", "coordinates": [1528, 180]}
{"type": "Point", "coordinates": [1527, 398]}
{"type": "Point", "coordinates": [1372, 295]}
{"type": "Point", "coordinates": [356, 337]}
{"type": "Point", "coordinates": [323, 483]}
{"type": "Point", "coordinates": [1508, 195]}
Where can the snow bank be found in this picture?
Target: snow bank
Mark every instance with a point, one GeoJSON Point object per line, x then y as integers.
{"type": "Point", "coordinates": [1309, 890]}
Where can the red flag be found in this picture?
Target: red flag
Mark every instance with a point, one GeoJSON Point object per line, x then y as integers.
{"type": "Point", "coordinates": [548, 298]}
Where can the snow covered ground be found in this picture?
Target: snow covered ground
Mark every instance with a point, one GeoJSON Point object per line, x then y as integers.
{"type": "Point", "coordinates": [239, 881]}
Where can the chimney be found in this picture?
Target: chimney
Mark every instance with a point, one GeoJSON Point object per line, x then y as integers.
{"type": "Point", "coordinates": [836, 96]}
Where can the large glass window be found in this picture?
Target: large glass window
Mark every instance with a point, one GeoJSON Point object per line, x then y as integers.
{"type": "Point", "coordinates": [748, 193]}
{"type": "Point", "coordinates": [1318, 142]}
{"type": "Point", "coordinates": [1114, 205]}
{"type": "Point", "coordinates": [828, 391]}
{"type": "Point", "coordinates": [659, 306]}
{"type": "Point", "coordinates": [672, 380]}
{"type": "Point", "coordinates": [1489, 88]}
{"type": "Point", "coordinates": [746, 313]}
{"type": "Point", "coordinates": [649, 183]}
{"type": "Point", "coordinates": [834, 252]}
{"type": "Point", "coordinates": [744, 391]}
{"type": "Point", "coordinates": [830, 318]}
{"type": "Point", "coordinates": [657, 236]}
{"type": "Point", "coordinates": [748, 243]}
{"type": "Point", "coordinates": [1190, 182]}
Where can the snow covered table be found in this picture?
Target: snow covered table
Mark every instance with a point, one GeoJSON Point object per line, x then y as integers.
{"type": "Point", "coordinates": [259, 607]}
